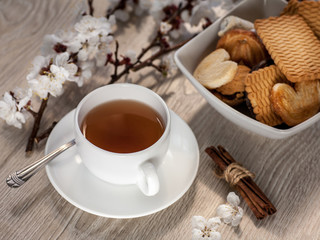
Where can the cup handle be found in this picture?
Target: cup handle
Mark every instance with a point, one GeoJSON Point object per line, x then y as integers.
{"type": "Point", "coordinates": [148, 181]}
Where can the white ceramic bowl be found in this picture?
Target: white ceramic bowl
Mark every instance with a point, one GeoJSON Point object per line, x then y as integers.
{"type": "Point", "coordinates": [189, 56]}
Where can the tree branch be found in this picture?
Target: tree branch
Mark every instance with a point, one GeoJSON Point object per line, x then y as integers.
{"type": "Point", "coordinates": [91, 9]}
{"type": "Point", "coordinates": [36, 125]}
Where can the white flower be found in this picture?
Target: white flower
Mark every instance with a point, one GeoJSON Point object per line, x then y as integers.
{"type": "Point", "coordinates": [92, 27]}
{"type": "Point", "coordinates": [51, 83]}
{"type": "Point", "coordinates": [59, 74]}
{"type": "Point", "coordinates": [9, 111]}
{"type": "Point", "coordinates": [38, 63]}
{"type": "Point", "coordinates": [203, 229]}
{"type": "Point", "coordinates": [40, 86]}
{"type": "Point", "coordinates": [169, 65]}
{"type": "Point", "coordinates": [22, 96]}
{"type": "Point", "coordinates": [87, 52]}
{"type": "Point", "coordinates": [103, 51]}
{"type": "Point", "coordinates": [75, 44]}
{"type": "Point", "coordinates": [49, 41]}
{"type": "Point", "coordinates": [131, 55]}
{"type": "Point", "coordinates": [165, 27]}
{"type": "Point", "coordinates": [92, 39]}
{"type": "Point", "coordinates": [203, 9]}
{"type": "Point", "coordinates": [84, 72]}
{"type": "Point", "coordinates": [231, 212]}
{"type": "Point", "coordinates": [62, 61]}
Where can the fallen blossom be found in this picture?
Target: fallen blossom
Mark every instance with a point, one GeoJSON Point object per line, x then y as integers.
{"type": "Point", "coordinates": [203, 229]}
{"type": "Point", "coordinates": [230, 212]}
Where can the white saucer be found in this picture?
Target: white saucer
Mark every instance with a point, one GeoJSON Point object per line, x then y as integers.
{"type": "Point", "coordinates": [77, 185]}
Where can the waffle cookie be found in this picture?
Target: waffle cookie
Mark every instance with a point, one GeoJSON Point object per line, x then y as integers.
{"type": "Point", "coordinates": [237, 83]}
{"type": "Point", "coordinates": [291, 8]}
{"type": "Point", "coordinates": [292, 45]}
{"type": "Point", "coordinates": [308, 10]}
{"type": "Point", "coordinates": [295, 105]}
{"type": "Point", "coordinates": [258, 86]}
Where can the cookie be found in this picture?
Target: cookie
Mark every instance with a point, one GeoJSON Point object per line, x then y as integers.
{"type": "Point", "coordinates": [292, 45]}
{"type": "Point", "coordinates": [258, 86]}
{"type": "Point", "coordinates": [237, 83]}
{"type": "Point", "coordinates": [291, 8]}
{"type": "Point", "coordinates": [308, 10]}
{"type": "Point", "coordinates": [295, 105]}
{"type": "Point", "coordinates": [215, 69]}
{"type": "Point", "coordinates": [231, 100]}
{"type": "Point", "coordinates": [243, 46]}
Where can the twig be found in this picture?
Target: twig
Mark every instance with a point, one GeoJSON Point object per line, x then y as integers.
{"type": "Point", "coordinates": [91, 9]}
{"type": "Point", "coordinates": [158, 68]}
{"type": "Point", "coordinates": [36, 125]}
{"type": "Point", "coordinates": [46, 133]}
{"type": "Point", "coordinates": [159, 54]}
{"type": "Point", "coordinates": [120, 5]}
{"type": "Point", "coordinates": [114, 76]}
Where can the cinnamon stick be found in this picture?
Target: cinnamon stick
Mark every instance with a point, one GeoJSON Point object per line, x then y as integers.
{"type": "Point", "coordinates": [247, 188]}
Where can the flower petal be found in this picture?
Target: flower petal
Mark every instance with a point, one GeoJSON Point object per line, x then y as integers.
{"type": "Point", "coordinates": [233, 199]}
{"type": "Point", "coordinates": [215, 236]}
{"type": "Point", "coordinates": [198, 222]}
{"type": "Point", "coordinates": [224, 211]}
{"type": "Point", "coordinates": [214, 223]}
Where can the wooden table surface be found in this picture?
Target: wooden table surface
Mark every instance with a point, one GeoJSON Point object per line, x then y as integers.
{"type": "Point", "coordinates": [288, 171]}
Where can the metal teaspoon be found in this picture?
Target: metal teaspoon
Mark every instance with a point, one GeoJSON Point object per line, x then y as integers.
{"type": "Point", "coordinates": [19, 177]}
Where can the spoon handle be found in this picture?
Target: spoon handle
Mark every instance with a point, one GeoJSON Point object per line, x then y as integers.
{"type": "Point", "coordinates": [18, 178]}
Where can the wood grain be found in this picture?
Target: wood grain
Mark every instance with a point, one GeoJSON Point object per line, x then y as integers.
{"type": "Point", "coordinates": [288, 171]}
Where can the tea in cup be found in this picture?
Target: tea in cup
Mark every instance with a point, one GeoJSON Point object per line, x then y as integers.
{"type": "Point", "coordinates": [122, 134]}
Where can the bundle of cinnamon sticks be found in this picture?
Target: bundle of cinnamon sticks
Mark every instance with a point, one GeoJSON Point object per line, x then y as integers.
{"type": "Point", "coordinates": [247, 188]}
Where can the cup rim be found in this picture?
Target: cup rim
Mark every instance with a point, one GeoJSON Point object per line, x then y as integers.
{"type": "Point", "coordinates": [131, 85]}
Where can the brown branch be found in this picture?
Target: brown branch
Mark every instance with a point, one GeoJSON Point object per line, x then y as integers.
{"type": "Point", "coordinates": [158, 54]}
{"type": "Point", "coordinates": [36, 125]}
{"type": "Point", "coordinates": [120, 5]}
{"type": "Point", "coordinates": [115, 76]}
{"type": "Point", "coordinates": [33, 113]}
{"type": "Point", "coordinates": [158, 68]}
{"type": "Point", "coordinates": [46, 133]}
{"type": "Point", "coordinates": [154, 43]}
{"type": "Point", "coordinates": [91, 9]}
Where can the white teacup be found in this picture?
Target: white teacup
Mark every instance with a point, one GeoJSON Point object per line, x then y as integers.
{"type": "Point", "coordinates": [124, 168]}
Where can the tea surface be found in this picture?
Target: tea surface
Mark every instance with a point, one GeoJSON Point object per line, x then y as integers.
{"type": "Point", "coordinates": [122, 126]}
